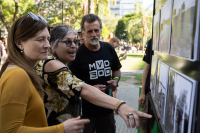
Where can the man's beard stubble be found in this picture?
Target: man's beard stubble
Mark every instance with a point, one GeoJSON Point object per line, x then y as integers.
{"type": "Point", "coordinates": [94, 40]}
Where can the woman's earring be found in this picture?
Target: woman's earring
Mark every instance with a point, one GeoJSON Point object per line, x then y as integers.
{"type": "Point", "coordinates": [21, 51]}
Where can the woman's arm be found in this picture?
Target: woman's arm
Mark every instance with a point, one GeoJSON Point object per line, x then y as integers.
{"type": "Point", "coordinates": [99, 98]}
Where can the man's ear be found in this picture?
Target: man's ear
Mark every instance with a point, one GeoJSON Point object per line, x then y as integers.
{"type": "Point", "coordinates": [19, 44]}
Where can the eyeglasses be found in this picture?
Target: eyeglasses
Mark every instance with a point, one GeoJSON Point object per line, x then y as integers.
{"type": "Point", "coordinates": [69, 43]}
{"type": "Point", "coordinates": [33, 16]}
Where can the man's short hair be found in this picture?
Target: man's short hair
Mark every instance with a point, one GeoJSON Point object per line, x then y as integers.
{"type": "Point", "coordinates": [90, 18]}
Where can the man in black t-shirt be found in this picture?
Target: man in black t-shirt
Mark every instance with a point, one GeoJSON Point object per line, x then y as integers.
{"type": "Point", "coordinates": [93, 64]}
{"type": "Point", "coordinates": [143, 99]}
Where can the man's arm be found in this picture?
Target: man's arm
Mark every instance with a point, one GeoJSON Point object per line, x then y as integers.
{"type": "Point", "coordinates": [144, 77]}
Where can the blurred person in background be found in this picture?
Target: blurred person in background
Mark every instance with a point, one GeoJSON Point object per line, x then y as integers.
{"type": "Point", "coordinates": [115, 43]}
{"type": "Point", "coordinates": [80, 37]}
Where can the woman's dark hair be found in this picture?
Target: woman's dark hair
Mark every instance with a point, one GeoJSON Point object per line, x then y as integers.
{"type": "Point", "coordinates": [27, 29]}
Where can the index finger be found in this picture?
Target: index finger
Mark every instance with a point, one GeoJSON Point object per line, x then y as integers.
{"type": "Point", "coordinates": [83, 121]}
{"type": "Point", "coordinates": [141, 114]}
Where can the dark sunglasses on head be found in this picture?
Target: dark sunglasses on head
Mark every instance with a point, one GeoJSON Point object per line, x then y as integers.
{"type": "Point", "coordinates": [33, 16]}
{"type": "Point", "coordinates": [69, 43]}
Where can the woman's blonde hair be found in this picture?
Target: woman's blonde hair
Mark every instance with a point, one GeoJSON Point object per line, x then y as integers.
{"type": "Point", "coordinates": [114, 39]}
{"type": "Point", "coordinates": [26, 30]}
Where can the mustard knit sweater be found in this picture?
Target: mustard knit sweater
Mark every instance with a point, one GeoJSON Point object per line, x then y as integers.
{"type": "Point", "coordinates": [21, 107]}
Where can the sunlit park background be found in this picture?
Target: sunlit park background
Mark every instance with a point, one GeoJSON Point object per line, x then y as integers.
{"type": "Point", "coordinates": [129, 20]}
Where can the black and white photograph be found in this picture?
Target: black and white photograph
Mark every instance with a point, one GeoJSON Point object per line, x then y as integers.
{"type": "Point", "coordinates": [184, 18]}
{"type": "Point", "coordinates": [159, 4]}
{"type": "Point", "coordinates": [165, 27]}
{"type": "Point", "coordinates": [161, 90]}
{"type": "Point", "coordinates": [180, 103]}
{"type": "Point", "coordinates": [156, 30]}
{"type": "Point", "coordinates": [154, 65]}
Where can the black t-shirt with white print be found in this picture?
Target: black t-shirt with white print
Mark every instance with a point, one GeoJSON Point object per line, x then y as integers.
{"type": "Point", "coordinates": [94, 67]}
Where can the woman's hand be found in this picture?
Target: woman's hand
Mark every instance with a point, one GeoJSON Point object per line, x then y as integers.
{"type": "Point", "coordinates": [124, 109]}
{"type": "Point", "coordinates": [124, 58]}
{"type": "Point", "coordinates": [75, 125]}
{"type": "Point", "coordinates": [121, 55]}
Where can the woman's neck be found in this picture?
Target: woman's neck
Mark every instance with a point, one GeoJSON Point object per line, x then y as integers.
{"type": "Point", "coordinates": [64, 62]}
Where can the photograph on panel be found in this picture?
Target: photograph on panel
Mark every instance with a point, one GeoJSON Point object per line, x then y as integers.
{"type": "Point", "coordinates": [183, 28]}
{"type": "Point", "coordinates": [154, 65]}
{"type": "Point", "coordinates": [179, 104]}
{"type": "Point", "coordinates": [159, 4]}
{"type": "Point", "coordinates": [165, 27]}
{"type": "Point", "coordinates": [156, 29]}
{"type": "Point", "coordinates": [161, 90]}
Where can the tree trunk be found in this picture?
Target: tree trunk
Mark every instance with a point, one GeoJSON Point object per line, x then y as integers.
{"type": "Point", "coordinates": [38, 9]}
{"type": "Point", "coordinates": [3, 19]}
{"type": "Point", "coordinates": [85, 8]}
{"type": "Point", "coordinates": [16, 10]}
{"type": "Point", "coordinates": [89, 6]}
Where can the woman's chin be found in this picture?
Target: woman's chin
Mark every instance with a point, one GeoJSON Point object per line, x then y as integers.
{"type": "Point", "coordinates": [43, 58]}
{"type": "Point", "coordinates": [71, 59]}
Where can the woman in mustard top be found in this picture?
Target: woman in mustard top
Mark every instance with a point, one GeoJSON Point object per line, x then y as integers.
{"type": "Point", "coordinates": [21, 93]}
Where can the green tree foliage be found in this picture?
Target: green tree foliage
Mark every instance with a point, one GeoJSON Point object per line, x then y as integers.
{"type": "Point", "coordinates": [105, 32]}
{"type": "Point", "coordinates": [51, 10]}
{"type": "Point", "coordinates": [111, 22]}
{"type": "Point", "coordinates": [8, 9]}
{"type": "Point", "coordinates": [130, 27]}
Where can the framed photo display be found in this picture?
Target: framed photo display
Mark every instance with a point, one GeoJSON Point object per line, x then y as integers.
{"type": "Point", "coordinates": [156, 30]}
{"type": "Point", "coordinates": [185, 29]}
{"type": "Point", "coordinates": [154, 65]}
{"type": "Point", "coordinates": [165, 27]}
{"type": "Point", "coordinates": [161, 90]}
{"type": "Point", "coordinates": [181, 96]}
{"type": "Point", "coordinates": [159, 4]}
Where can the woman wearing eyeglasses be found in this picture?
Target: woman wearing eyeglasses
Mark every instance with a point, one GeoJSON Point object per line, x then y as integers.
{"type": "Point", "coordinates": [62, 88]}
{"type": "Point", "coordinates": [21, 93]}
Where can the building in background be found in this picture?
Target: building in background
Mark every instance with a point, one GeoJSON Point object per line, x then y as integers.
{"type": "Point", "coordinates": [124, 7]}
